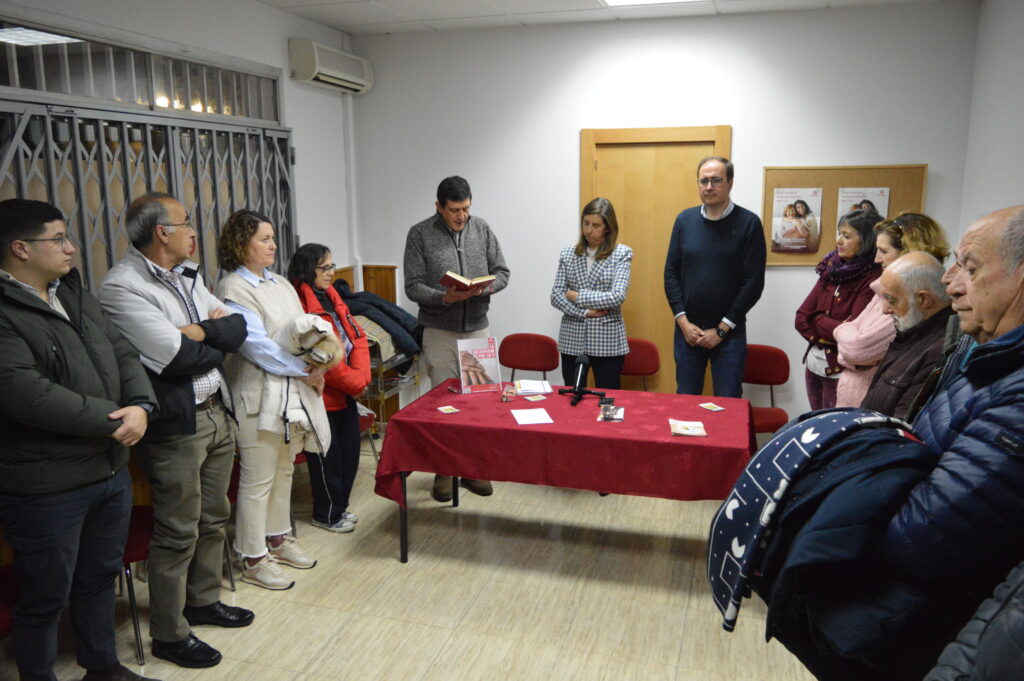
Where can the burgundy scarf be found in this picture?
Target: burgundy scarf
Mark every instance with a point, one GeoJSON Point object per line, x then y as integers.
{"type": "Point", "coordinates": [835, 270]}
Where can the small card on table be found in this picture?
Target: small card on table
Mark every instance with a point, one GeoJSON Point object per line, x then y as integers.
{"type": "Point", "coordinates": [710, 406]}
{"type": "Point", "coordinates": [692, 428]}
{"type": "Point", "coordinates": [447, 409]}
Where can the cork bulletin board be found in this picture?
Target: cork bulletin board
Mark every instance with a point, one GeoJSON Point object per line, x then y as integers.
{"type": "Point", "coordinates": [905, 183]}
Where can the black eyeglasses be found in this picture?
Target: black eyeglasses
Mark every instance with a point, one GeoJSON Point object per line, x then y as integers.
{"type": "Point", "coordinates": [59, 240]}
{"type": "Point", "coordinates": [324, 268]}
{"type": "Point", "coordinates": [710, 182]}
{"type": "Point", "coordinates": [188, 224]}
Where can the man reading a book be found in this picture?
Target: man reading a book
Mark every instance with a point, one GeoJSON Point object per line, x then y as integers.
{"type": "Point", "coordinates": [452, 241]}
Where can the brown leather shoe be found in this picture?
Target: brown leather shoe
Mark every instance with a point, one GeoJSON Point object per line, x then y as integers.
{"type": "Point", "coordinates": [481, 487]}
{"type": "Point", "coordinates": [442, 490]}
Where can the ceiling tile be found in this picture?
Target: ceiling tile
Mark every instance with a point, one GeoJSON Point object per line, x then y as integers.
{"type": "Point", "coordinates": [298, 3]}
{"type": "Point", "coordinates": [388, 27]}
{"type": "Point", "coordinates": [530, 6]}
{"type": "Point", "coordinates": [566, 17]}
{"type": "Point", "coordinates": [440, 9]}
{"type": "Point", "coordinates": [657, 11]}
{"type": "Point", "coordinates": [338, 14]}
{"type": "Point", "coordinates": [739, 6]}
{"type": "Point", "coordinates": [478, 22]}
{"type": "Point", "coordinates": [860, 3]}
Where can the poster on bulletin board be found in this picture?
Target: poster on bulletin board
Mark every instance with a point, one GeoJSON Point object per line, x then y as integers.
{"type": "Point", "coordinates": [891, 190]}
{"type": "Point", "coordinates": [795, 227]}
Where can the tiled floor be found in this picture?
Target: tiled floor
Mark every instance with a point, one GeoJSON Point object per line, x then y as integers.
{"type": "Point", "coordinates": [531, 584]}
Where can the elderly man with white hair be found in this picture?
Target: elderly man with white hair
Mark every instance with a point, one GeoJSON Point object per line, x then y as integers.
{"type": "Point", "coordinates": [913, 295]}
{"type": "Point", "coordinates": [960, 526]}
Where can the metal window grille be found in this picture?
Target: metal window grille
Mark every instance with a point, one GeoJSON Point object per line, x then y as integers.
{"type": "Point", "coordinates": [87, 69]}
{"type": "Point", "coordinates": [91, 163]}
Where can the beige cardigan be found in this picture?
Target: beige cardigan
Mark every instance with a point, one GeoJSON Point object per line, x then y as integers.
{"type": "Point", "coordinates": [260, 392]}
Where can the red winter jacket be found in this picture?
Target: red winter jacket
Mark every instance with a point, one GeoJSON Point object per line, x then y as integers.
{"type": "Point", "coordinates": [353, 374]}
{"type": "Point", "coordinates": [829, 305]}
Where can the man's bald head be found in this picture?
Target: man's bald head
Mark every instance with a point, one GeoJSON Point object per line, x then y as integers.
{"type": "Point", "coordinates": [912, 290]}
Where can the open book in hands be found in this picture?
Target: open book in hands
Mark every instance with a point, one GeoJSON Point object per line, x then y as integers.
{"type": "Point", "coordinates": [461, 283]}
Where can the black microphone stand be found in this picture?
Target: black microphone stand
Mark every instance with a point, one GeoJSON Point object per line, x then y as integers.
{"type": "Point", "coordinates": [577, 395]}
{"type": "Point", "coordinates": [578, 390]}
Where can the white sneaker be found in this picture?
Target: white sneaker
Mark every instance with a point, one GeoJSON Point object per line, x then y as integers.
{"type": "Point", "coordinates": [343, 525]}
{"type": "Point", "coordinates": [266, 573]}
{"type": "Point", "coordinates": [349, 516]}
{"type": "Point", "coordinates": [291, 554]}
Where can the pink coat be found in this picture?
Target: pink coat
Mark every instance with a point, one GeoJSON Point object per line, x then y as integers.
{"type": "Point", "coordinates": [862, 343]}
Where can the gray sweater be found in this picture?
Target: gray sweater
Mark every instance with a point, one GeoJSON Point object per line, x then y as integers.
{"type": "Point", "coordinates": [433, 248]}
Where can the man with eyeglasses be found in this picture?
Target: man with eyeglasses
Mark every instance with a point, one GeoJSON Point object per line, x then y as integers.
{"type": "Point", "coordinates": [714, 274]}
{"type": "Point", "coordinates": [75, 398]}
{"type": "Point", "coordinates": [158, 300]}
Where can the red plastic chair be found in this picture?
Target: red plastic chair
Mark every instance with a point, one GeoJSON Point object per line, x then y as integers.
{"type": "Point", "coordinates": [136, 549]}
{"type": "Point", "coordinates": [767, 365]}
{"type": "Point", "coordinates": [529, 352]}
{"type": "Point", "coordinates": [642, 360]}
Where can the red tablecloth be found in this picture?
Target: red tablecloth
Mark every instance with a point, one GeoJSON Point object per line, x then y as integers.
{"type": "Point", "coordinates": [637, 456]}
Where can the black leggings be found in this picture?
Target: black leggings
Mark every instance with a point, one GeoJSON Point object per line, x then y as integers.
{"type": "Point", "coordinates": [607, 370]}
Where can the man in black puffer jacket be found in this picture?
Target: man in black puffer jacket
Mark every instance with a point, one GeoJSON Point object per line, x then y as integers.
{"type": "Point", "coordinates": [75, 397]}
{"type": "Point", "coordinates": [963, 521]}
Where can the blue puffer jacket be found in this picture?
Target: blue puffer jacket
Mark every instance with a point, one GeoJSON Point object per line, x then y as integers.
{"type": "Point", "coordinates": [965, 517]}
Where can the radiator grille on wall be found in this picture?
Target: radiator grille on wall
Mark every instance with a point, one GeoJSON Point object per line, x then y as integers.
{"type": "Point", "coordinates": [92, 163]}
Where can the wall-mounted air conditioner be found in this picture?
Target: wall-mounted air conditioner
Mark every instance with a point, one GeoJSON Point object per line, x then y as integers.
{"type": "Point", "coordinates": [328, 67]}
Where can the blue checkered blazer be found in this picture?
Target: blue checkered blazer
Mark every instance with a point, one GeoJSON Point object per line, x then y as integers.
{"type": "Point", "coordinates": [603, 288]}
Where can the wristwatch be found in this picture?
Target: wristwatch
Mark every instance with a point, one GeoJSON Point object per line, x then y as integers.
{"type": "Point", "coordinates": [721, 332]}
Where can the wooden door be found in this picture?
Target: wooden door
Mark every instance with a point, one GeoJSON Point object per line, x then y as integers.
{"type": "Point", "coordinates": [649, 175]}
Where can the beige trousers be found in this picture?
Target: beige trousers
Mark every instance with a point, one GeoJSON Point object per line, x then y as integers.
{"type": "Point", "coordinates": [264, 485]}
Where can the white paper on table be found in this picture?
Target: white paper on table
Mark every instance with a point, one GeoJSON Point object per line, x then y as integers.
{"type": "Point", "coordinates": [527, 417]}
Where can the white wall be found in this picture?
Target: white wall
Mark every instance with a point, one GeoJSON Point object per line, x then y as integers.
{"type": "Point", "coordinates": [504, 108]}
{"type": "Point", "coordinates": [241, 29]}
{"type": "Point", "coordinates": [993, 175]}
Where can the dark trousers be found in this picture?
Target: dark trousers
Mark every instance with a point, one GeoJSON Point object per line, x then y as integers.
{"type": "Point", "coordinates": [821, 391]}
{"type": "Point", "coordinates": [331, 477]}
{"type": "Point", "coordinates": [607, 370]}
{"type": "Point", "coordinates": [67, 549]}
{"type": "Point", "coordinates": [189, 475]}
{"type": "Point", "coordinates": [727, 360]}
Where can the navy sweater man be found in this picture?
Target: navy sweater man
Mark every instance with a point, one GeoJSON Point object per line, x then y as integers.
{"type": "Point", "coordinates": [714, 274]}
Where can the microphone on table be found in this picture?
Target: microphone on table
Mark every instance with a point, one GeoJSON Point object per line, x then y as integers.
{"type": "Point", "coordinates": [582, 364]}
{"type": "Point", "coordinates": [579, 384]}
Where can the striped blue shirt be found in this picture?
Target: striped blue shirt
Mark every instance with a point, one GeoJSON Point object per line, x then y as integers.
{"type": "Point", "coordinates": [258, 347]}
